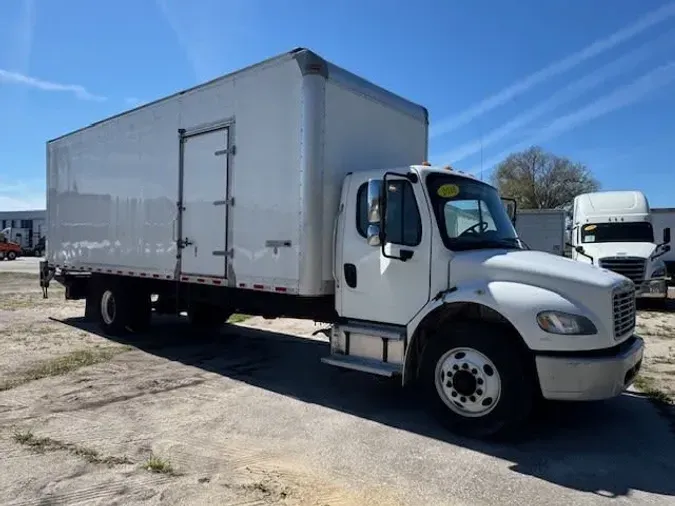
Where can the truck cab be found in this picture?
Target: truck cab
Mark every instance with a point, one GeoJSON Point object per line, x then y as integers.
{"type": "Point", "coordinates": [433, 284]}
{"type": "Point", "coordinates": [9, 250]}
{"type": "Point", "coordinates": [614, 230]}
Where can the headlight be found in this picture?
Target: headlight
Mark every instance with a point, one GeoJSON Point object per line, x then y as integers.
{"type": "Point", "coordinates": [659, 272]}
{"type": "Point", "coordinates": [557, 322]}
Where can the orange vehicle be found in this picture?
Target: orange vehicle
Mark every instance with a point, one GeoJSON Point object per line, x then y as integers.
{"type": "Point", "coordinates": [8, 250]}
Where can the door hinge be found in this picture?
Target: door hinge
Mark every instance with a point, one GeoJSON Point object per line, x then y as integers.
{"type": "Point", "coordinates": [230, 253]}
{"type": "Point", "coordinates": [233, 149]}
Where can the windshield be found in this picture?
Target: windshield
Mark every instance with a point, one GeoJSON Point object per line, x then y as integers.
{"type": "Point", "coordinates": [470, 214]}
{"type": "Point", "coordinates": [617, 232]}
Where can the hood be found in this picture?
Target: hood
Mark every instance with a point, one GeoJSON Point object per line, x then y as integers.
{"type": "Point", "coordinates": [600, 250]}
{"type": "Point", "coordinates": [531, 267]}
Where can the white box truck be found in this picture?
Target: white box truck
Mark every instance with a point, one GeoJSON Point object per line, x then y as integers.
{"type": "Point", "coordinates": [295, 188]}
{"type": "Point", "coordinates": [542, 229]}
{"type": "Point", "coordinates": [663, 218]}
{"type": "Point", "coordinates": [614, 230]}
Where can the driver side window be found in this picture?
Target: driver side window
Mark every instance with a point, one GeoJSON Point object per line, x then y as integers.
{"type": "Point", "coordinates": [403, 220]}
{"type": "Point", "coordinates": [466, 215]}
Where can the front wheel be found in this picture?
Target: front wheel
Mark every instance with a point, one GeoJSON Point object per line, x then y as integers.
{"type": "Point", "coordinates": [11, 255]}
{"type": "Point", "coordinates": [476, 380]}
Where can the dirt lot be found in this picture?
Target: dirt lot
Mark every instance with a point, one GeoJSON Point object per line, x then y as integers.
{"type": "Point", "coordinates": [251, 417]}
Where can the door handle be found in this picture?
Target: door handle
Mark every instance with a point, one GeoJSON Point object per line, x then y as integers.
{"type": "Point", "coordinates": [350, 275]}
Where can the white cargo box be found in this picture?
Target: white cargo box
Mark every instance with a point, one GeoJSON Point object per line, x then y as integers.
{"type": "Point", "coordinates": [662, 218]}
{"type": "Point", "coordinates": [542, 229]}
{"type": "Point", "coordinates": [239, 177]}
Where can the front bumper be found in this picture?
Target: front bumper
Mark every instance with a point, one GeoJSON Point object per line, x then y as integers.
{"type": "Point", "coordinates": [596, 375]}
{"type": "Point", "coordinates": [652, 288]}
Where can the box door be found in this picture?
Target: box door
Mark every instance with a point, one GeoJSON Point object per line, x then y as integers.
{"type": "Point", "coordinates": [203, 241]}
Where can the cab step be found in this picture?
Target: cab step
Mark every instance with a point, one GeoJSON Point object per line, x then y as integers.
{"type": "Point", "coordinates": [367, 365]}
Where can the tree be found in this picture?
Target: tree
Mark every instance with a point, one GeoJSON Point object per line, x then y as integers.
{"type": "Point", "coordinates": [541, 180]}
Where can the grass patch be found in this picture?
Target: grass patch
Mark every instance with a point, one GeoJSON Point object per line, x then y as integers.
{"type": "Point", "coordinates": [238, 318]}
{"type": "Point", "coordinates": [47, 444]}
{"type": "Point", "coordinates": [158, 465]}
{"type": "Point", "coordinates": [64, 365]}
{"type": "Point", "coordinates": [647, 386]}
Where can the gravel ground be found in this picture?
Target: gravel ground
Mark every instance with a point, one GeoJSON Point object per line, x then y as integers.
{"type": "Point", "coordinates": [251, 417]}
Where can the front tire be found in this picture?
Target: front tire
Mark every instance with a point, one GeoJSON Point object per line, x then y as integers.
{"type": "Point", "coordinates": [476, 380]}
{"type": "Point", "coordinates": [11, 255]}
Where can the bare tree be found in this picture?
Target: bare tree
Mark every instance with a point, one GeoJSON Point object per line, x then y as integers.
{"type": "Point", "coordinates": [541, 180]}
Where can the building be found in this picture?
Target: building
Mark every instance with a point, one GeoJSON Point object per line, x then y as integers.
{"type": "Point", "coordinates": [24, 227]}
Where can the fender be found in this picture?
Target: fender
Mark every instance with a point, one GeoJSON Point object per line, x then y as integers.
{"type": "Point", "coordinates": [514, 304]}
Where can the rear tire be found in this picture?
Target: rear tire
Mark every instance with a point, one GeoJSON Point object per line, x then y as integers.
{"type": "Point", "coordinates": [476, 380]}
{"type": "Point", "coordinates": [113, 309]}
{"type": "Point", "coordinates": [120, 307]}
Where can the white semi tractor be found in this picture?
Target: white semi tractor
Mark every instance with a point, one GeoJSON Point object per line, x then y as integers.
{"type": "Point", "coordinates": [294, 188]}
{"type": "Point", "coordinates": [614, 230]}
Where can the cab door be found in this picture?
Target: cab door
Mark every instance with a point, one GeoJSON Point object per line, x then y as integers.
{"type": "Point", "coordinates": [373, 284]}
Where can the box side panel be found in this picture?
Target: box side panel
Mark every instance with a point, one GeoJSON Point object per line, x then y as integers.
{"type": "Point", "coordinates": [265, 178]}
{"type": "Point", "coordinates": [362, 133]}
{"type": "Point", "coordinates": [542, 231]}
{"type": "Point", "coordinates": [113, 187]}
{"type": "Point", "coordinates": [662, 218]}
{"type": "Point", "coordinates": [112, 192]}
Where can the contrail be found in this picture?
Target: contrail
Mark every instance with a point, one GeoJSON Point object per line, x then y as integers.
{"type": "Point", "coordinates": [572, 91]}
{"type": "Point", "coordinates": [618, 99]}
{"type": "Point", "coordinates": [556, 68]}
{"type": "Point", "coordinates": [78, 90]}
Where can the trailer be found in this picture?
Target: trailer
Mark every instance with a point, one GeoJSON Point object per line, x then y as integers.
{"type": "Point", "coordinates": [296, 188]}
{"type": "Point", "coordinates": [542, 229]}
{"type": "Point", "coordinates": [662, 218]}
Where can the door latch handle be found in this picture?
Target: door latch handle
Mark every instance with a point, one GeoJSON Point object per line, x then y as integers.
{"type": "Point", "coordinates": [183, 243]}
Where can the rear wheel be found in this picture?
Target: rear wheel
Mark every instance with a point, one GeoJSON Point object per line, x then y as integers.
{"type": "Point", "coordinates": [121, 309]}
{"type": "Point", "coordinates": [2, 255]}
{"type": "Point", "coordinates": [476, 380]}
{"type": "Point", "coordinates": [11, 255]}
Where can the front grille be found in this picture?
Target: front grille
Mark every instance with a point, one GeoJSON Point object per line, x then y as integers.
{"type": "Point", "coordinates": [632, 268]}
{"type": "Point", "coordinates": [624, 310]}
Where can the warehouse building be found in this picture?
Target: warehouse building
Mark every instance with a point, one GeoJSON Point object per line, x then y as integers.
{"type": "Point", "coordinates": [24, 227]}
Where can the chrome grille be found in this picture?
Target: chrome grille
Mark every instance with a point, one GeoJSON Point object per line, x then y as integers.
{"type": "Point", "coordinates": [624, 310]}
{"type": "Point", "coordinates": [632, 268]}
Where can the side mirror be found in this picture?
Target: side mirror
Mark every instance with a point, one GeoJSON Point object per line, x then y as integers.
{"type": "Point", "coordinates": [374, 200]}
{"type": "Point", "coordinates": [666, 249]}
{"type": "Point", "coordinates": [666, 235]}
{"type": "Point", "coordinates": [511, 208]}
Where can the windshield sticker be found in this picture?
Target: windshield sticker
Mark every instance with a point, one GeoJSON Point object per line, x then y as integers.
{"type": "Point", "coordinates": [447, 191]}
{"type": "Point", "coordinates": [589, 238]}
{"type": "Point", "coordinates": [588, 228]}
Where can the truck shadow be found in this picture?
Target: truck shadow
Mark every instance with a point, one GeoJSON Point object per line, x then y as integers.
{"type": "Point", "coordinates": [607, 448]}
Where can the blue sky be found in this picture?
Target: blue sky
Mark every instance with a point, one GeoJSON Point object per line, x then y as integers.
{"type": "Point", "coordinates": [592, 80]}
